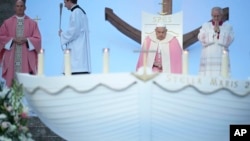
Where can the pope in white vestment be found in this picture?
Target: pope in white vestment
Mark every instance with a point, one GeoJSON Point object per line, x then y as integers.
{"type": "Point", "coordinates": [215, 37]}
{"type": "Point", "coordinates": [76, 38]}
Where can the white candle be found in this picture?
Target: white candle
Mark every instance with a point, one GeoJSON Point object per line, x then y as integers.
{"type": "Point", "coordinates": [105, 60]}
{"type": "Point", "coordinates": [67, 63]}
{"type": "Point", "coordinates": [40, 67]}
{"type": "Point", "coordinates": [224, 64]}
{"type": "Point", "coordinates": [185, 62]}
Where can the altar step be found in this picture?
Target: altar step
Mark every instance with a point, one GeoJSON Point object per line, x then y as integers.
{"type": "Point", "coordinates": [40, 132]}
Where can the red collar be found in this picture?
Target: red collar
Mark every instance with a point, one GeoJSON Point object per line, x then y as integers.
{"type": "Point", "coordinates": [220, 23]}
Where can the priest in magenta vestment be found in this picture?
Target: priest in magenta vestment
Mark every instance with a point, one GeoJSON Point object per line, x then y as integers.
{"type": "Point", "coordinates": [20, 42]}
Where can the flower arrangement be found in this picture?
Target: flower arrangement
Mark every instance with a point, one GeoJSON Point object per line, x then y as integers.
{"type": "Point", "coordinates": [13, 114]}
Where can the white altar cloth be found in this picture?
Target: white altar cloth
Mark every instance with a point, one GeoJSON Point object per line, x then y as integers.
{"type": "Point", "coordinates": [121, 107]}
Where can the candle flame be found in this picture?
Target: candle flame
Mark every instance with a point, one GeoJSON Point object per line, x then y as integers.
{"type": "Point", "coordinates": [41, 51]}
{"type": "Point", "coordinates": [224, 52]}
{"type": "Point", "coordinates": [105, 49]}
{"type": "Point", "coordinates": [67, 51]}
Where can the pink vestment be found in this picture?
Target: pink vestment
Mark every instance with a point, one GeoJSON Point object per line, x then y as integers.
{"type": "Point", "coordinates": [29, 56]}
{"type": "Point", "coordinates": [174, 55]}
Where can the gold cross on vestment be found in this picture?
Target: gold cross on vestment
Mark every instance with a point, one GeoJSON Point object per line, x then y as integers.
{"type": "Point", "coordinates": [37, 19]}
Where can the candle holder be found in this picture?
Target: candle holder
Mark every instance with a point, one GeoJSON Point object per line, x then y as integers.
{"type": "Point", "coordinates": [40, 67]}
{"type": "Point", "coordinates": [105, 60]}
{"type": "Point", "coordinates": [67, 62]}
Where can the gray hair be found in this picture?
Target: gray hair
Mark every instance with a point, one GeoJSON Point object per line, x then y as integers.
{"type": "Point", "coordinates": [217, 9]}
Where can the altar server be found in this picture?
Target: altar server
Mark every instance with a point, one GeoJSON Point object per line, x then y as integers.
{"type": "Point", "coordinates": [76, 38]}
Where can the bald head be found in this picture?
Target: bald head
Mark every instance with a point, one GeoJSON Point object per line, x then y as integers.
{"type": "Point", "coordinates": [20, 7]}
{"type": "Point", "coordinates": [24, 1]}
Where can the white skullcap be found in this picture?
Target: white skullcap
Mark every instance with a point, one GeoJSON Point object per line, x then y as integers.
{"type": "Point", "coordinates": [161, 25]}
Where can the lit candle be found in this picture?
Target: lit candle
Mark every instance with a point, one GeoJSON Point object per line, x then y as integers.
{"type": "Point", "coordinates": [105, 60]}
{"type": "Point", "coordinates": [67, 64]}
{"type": "Point", "coordinates": [224, 64]}
{"type": "Point", "coordinates": [40, 62]}
{"type": "Point", "coordinates": [185, 62]}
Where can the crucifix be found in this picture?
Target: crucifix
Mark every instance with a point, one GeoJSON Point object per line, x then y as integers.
{"type": "Point", "coordinates": [37, 19]}
{"type": "Point", "coordinates": [135, 34]}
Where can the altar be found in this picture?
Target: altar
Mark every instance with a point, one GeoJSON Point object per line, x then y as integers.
{"type": "Point", "coordinates": [123, 106]}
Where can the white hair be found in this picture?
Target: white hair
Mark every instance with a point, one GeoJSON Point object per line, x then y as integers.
{"type": "Point", "coordinates": [217, 9]}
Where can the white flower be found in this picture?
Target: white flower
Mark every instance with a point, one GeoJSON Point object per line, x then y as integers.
{"type": "Point", "coordinates": [2, 138]}
{"type": "Point", "coordinates": [5, 125]}
{"type": "Point", "coordinates": [12, 128]}
{"type": "Point", "coordinates": [14, 122]}
{"type": "Point", "coordinates": [24, 128]}
{"type": "Point", "coordinates": [3, 116]}
{"type": "Point", "coordinates": [9, 108]}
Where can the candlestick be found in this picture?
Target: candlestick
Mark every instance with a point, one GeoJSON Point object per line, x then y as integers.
{"type": "Point", "coordinates": [40, 67]}
{"type": "Point", "coordinates": [105, 60]}
{"type": "Point", "coordinates": [185, 62]}
{"type": "Point", "coordinates": [67, 64]}
{"type": "Point", "coordinates": [224, 64]}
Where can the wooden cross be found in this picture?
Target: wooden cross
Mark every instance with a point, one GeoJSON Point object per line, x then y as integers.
{"type": "Point", "coordinates": [166, 7]}
{"type": "Point", "coordinates": [37, 19]}
{"type": "Point", "coordinates": [135, 34]}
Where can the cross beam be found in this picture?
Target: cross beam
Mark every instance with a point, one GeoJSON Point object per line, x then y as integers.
{"type": "Point", "coordinates": [166, 7]}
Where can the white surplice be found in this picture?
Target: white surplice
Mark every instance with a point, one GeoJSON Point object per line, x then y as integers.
{"type": "Point", "coordinates": [213, 46]}
{"type": "Point", "coordinates": [76, 38]}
